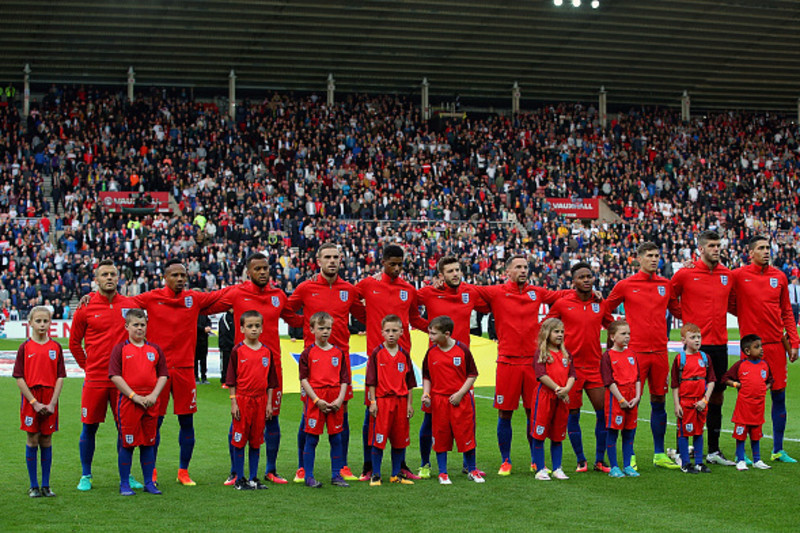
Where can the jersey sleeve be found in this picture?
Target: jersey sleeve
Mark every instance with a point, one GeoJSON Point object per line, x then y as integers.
{"type": "Point", "coordinates": [371, 377]}
{"type": "Point", "coordinates": [425, 372]}
{"type": "Point", "coordinates": [272, 374]}
{"type": "Point", "coordinates": [76, 336]}
{"type": "Point", "coordinates": [786, 313]}
{"type": "Point", "coordinates": [214, 302]}
{"type": "Point", "coordinates": [344, 369]}
{"type": "Point", "coordinates": [19, 363]}
{"type": "Point", "coordinates": [485, 293]}
{"type": "Point", "coordinates": [233, 365]}
{"type": "Point", "coordinates": [411, 379]}
{"type": "Point", "coordinates": [674, 373]}
{"type": "Point", "coordinates": [290, 317]}
{"type": "Point", "coordinates": [770, 380]}
{"type": "Point", "coordinates": [572, 372]}
{"type": "Point", "coordinates": [302, 364]}
{"type": "Point", "coordinates": [115, 361]}
{"type": "Point", "coordinates": [161, 366]}
{"type": "Point", "coordinates": [616, 297]}
{"type": "Point", "coordinates": [62, 369]}
{"type": "Point", "coordinates": [358, 310]}
{"type": "Point", "coordinates": [605, 369]}
{"type": "Point", "coordinates": [540, 369]}
{"type": "Point", "coordinates": [711, 377]}
{"type": "Point", "coordinates": [414, 318]}
{"type": "Point", "coordinates": [550, 297]}
{"type": "Point", "coordinates": [733, 372]}
{"type": "Point", "coordinates": [471, 368]}
{"type": "Point", "coordinates": [553, 312]}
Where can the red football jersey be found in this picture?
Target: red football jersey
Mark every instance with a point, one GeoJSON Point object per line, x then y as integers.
{"type": "Point", "coordinates": [172, 321]}
{"type": "Point", "coordinates": [391, 375]}
{"type": "Point", "coordinates": [697, 374]}
{"type": "Point", "coordinates": [704, 295]}
{"type": "Point", "coordinates": [755, 377]}
{"type": "Point", "coordinates": [97, 327]}
{"type": "Point", "coordinates": [448, 370]}
{"type": "Point", "coordinates": [251, 371]}
{"type": "Point", "coordinates": [339, 299]}
{"type": "Point", "coordinates": [516, 318]}
{"type": "Point", "coordinates": [324, 368]}
{"type": "Point", "coordinates": [268, 301]}
{"type": "Point", "coordinates": [457, 303]}
{"type": "Point", "coordinates": [621, 368]}
{"type": "Point", "coordinates": [762, 304]}
{"type": "Point", "coordinates": [582, 324]}
{"type": "Point", "coordinates": [646, 298]}
{"type": "Point", "coordinates": [139, 366]}
{"type": "Point", "coordinates": [40, 365]}
{"type": "Point", "coordinates": [390, 297]}
{"type": "Point", "coordinates": [558, 368]}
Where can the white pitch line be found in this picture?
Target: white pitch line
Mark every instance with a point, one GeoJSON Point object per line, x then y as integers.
{"type": "Point", "coordinates": [766, 436]}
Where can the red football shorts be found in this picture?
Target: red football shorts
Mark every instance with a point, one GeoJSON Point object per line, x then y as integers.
{"type": "Point", "coordinates": [391, 424]}
{"type": "Point", "coordinates": [511, 382]}
{"type": "Point", "coordinates": [584, 379]}
{"type": "Point", "coordinates": [741, 432]}
{"type": "Point", "coordinates": [616, 416]}
{"type": "Point", "coordinates": [252, 419]}
{"type": "Point", "coordinates": [184, 392]}
{"type": "Point", "coordinates": [654, 368]}
{"type": "Point", "coordinates": [95, 400]}
{"type": "Point", "coordinates": [549, 416]}
{"type": "Point", "coordinates": [693, 422]}
{"type": "Point", "coordinates": [31, 421]}
{"type": "Point", "coordinates": [775, 357]}
{"type": "Point", "coordinates": [137, 426]}
{"type": "Point", "coordinates": [315, 420]}
{"type": "Point", "coordinates": [452, 422]}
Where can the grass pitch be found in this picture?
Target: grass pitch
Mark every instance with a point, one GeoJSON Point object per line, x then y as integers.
{"type": "Point", "coordinates": [726, 500]}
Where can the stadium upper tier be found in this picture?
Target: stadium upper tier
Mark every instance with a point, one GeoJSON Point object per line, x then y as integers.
{"type": "Point", "coordinates": [291, 173]}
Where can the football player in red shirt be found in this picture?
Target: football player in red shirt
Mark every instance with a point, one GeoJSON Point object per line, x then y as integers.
{"type": "Point", "coordinates": [583, 314]}
{"type": "Point", "coordinates": [751, 377]}
{"type": "Point", "coordinates": [257, 294]}
{"type": "Point", "coordinates": [139, 370]}
{"type": "Point", "coordinates": [705, 288]}
{"type": "Point", "coordinates": [448, 375]}
{"type": "Point", "coordinates": [39, 370]}
{"type": "Point", "coordinates": [387, 294]}
{"type": "Point", "coordinates": [324, 376]}
{"type": "Point", "coordinates": [647, 297]}
{"type": "Point", "coordinates": [96, 328]}
{"type": "Point", "coordinates": [389, 380]}
{"type": "Point", "coordinates": [447, 296]}
{"type": "Point", "coordinates": [764, 309]}
{"type": "Point", "coordinates": [515, 305]}
{"type": "Point", "coordinates": [251, 379]}
{"type": "Point", "coordinates": [330, 293]}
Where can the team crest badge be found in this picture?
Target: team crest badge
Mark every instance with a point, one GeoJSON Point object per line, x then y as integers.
{"type": "Point", "coordinates": [129, 439]}
{"type": "Point", "coordinates": [151, 356]}
{"type": "Point", "coordinates": [379, 438]}
{"type": "Point", "coordinates": [500, 399]}
{"type": "Point", "coordinates": [540, 430]}
{"type": "Point", "coordinates": [619, 419]}
{"type": "Point", "coordinates": [723, 280]}
{"type": "Point", "coordinates": [690, 427]}
{"type": "Point", "coordinates": [28, 420]}
{"type": "Point", "coordinates": [457, 361]}
{"type": "Point", "coordinates": [52, 354]}
{"type": "Point", "coordinates": [532, 295]}
{"type": "Point", "coordinates": [237, 436]}
{"type": "Point", "coordinates": [631, 360]}
{"type": "Point", "coordinates": [344, 296]}
{"type": "Point", "coordinates": [264, 362]}
{"type": "Point", "coordinates": [662, 290]}
{"type": "Point", "coordinates": [702, 364]}
{"type": "Point", "coordinates": [312, 423]}
{"type": "Point", "coordinates": [595, 308]}
{"type": "Point", "coordinates": [403, 296]}
{"type": "Point", "coordinates": [565, 362]}
{"type": "Point", "coordinates": [465, 297]}
{"type": "Point", "coordinates": [276, 301]}
{"type": "Point", "coordinates": [763, 374]}
{"type": "Point", "coordinates": [188, 301]}
{"type": "Point", "coordinates": [335, 361]}
{"type": "Point", "coordinates": [401, 367]}
{"type": "Point", "coordinates": [84, 412]}
{"type": "Point", "coordinates": [740, 430]}
{"type": "Point", "coordinates": [773, 282]}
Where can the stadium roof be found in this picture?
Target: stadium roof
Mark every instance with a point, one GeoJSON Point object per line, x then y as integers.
{"type": "Point", "coordinates": [726, 53]}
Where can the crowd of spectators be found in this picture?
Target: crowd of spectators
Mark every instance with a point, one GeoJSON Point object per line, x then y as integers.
{"type": "Point", "coordinates": [290, 172]}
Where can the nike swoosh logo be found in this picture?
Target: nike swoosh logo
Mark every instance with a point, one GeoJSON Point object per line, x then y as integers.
{"type": "Point", "coordinates": [315, 360]}
{"type": "Point", "coordinates": [31, 354]}
{"type": "Point", "coordinates": [97, 316]}
{"type": "Point", "coordinates": [314, 294]}
{"type": "Point", "coordinates": [248, 299]}
{"type": "Point", "coordinates": [635, 290]}
{"type": "Point", "coordinates": [375, 292]}
{"type": "Point", "coordinates": [570, 308]}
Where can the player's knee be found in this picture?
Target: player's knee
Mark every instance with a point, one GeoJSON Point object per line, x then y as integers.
{"type": "Point", "coordinates": [45, 441]}
{"type": "Point", "coordinates": [657, 398]}
{"type": "Point", "coordinates": [33, 440]}
{"type": "Point", "coordinates": [505, 415]}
